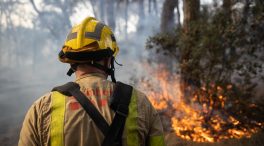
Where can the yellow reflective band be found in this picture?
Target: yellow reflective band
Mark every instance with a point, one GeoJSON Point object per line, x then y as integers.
{"type": "Point", "coordinates": [57, 119]}
{"type": "Point", "coordinates": [131, 122]}
{"type": "Point", "coordinates": [156, 141]}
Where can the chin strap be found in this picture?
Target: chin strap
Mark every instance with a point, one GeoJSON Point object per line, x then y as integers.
{"type": "Point", "coordinates": [110, 71]}
{"type": "Point", "coordinates": [72, 69]}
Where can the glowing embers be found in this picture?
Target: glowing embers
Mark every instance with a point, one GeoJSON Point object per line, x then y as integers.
{"type": "Point", "coordinates": [201, 114]}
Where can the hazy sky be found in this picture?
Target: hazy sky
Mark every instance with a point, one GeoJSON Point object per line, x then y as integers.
{"type": "Point", "coordinates": [81, 12]}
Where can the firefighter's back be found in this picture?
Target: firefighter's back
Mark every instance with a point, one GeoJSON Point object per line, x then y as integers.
{"type": "Point", "coordinates": [71, 125]}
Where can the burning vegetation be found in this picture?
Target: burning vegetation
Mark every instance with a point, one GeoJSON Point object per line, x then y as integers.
{"type": "Point", "coordinates": [202, 114]}
{"type": "Point", "coordinates": [220, 63]}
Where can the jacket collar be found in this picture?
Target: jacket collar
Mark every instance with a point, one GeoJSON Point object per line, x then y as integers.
{"type": "Point", "coordinates": [100, 75]}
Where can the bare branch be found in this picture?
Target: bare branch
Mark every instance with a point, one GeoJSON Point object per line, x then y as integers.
{"type": "Point", "coordinates": [34, 6]}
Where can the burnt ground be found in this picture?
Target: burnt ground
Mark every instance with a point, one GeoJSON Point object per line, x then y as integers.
{"type": "Point", "coordinates": [256, 140]}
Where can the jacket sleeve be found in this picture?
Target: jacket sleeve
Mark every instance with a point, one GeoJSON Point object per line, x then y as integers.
{"type": "Point", "coordinates": [156, 135]}
{"type": "Point", "coordinates": [29, 135]}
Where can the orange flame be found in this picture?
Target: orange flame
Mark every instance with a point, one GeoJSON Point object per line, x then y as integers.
{"type": "Point", "coordinates": [189, 119]}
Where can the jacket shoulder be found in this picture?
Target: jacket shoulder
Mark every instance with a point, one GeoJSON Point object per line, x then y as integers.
{"type": "Point", "coordinates": [34, 127]}
{"type": "Point", "coordinates": [141, 97]}
{"type": "Point", "coordinates": [42, 102]}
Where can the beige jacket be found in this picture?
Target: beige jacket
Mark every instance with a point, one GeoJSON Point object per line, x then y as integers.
{"type": "Point", "coordinates": [79, 128]}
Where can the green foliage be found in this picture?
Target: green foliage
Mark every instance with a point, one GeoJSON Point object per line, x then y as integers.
{"type": "Point", "coordinates": [216, 48]}
{"type": "Point", "coordinates": [222, 52]}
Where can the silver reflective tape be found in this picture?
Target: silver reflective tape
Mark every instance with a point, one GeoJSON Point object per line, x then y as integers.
{"type": "Point", "coordinates": [71, 36]}
{"type": "Point", "coordinates": [97, 32]}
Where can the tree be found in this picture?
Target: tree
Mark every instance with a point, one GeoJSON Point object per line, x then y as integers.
{"type": "Point", "coordinates": [167, 15]}
{"type": "Point", "coordinates": [141, 14]}
{"type": "Point", "coordinates": [154, 4]}
{"type": "Point", "coordinates": [8, 30]}
{"type": "Point", "coordinates": [110, 7]}
{"type": "Point", "coordinates": [191, 10]}
{"type": "Point", "coordinates": [50, 19]}
{"type": "Point", "coordinates": [102, 9]}
{"type": "Point", "coordinates": [227, 4]}
{"type": "Point", "coordinates": [214, 54]}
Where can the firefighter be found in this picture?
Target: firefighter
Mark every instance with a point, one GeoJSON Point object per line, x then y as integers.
{"type": "Point", "coordinates": [92, 111]}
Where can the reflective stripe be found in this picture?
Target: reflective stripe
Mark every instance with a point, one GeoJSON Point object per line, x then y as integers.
{"type": "Point", "coordinates": [156, 141]}
{"type": "Point", "coordinates": [71, 36]}
{"type": "Point", "coordinates": [113, 38]}
{"type": "Point", "coordinates": [93, 35]}
{"type": "Point", "coordinates": [57, 119]}
{"type": "Point", "coordinates": [131, 122]}
{"type": "Point", "coordinates": [97, 32]}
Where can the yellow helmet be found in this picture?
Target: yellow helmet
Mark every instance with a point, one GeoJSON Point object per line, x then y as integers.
{"type": "Point", "coordinates": [90, 40]}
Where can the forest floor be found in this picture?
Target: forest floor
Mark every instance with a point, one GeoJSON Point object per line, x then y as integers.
{"type": "Point", "coordinates": [256, 140]}
{"type": "Point", "coordinates": [10, 138]}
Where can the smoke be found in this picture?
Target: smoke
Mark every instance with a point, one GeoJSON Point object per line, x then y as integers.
{"type": "Point", "coordinates": [30, 42]}
{"type": "Point", "coordinates": [28, 60]}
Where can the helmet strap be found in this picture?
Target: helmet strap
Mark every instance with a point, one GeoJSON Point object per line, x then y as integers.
{"type": "Point", "coordinates": [118, 63]}
{"type": "Point", "coordinates": [110, 71]}
{"type": "Point", "coordinates": [70, 72]}
{"type": "Point", "coordinates": [72, 69]}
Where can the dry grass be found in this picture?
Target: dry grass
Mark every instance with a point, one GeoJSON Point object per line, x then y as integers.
{"type": "Point", "coordinates": [255, 140]}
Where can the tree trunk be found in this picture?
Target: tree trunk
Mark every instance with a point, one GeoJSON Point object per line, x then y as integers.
{"type": "Point", "coordinates": [191, 13]}
{"type": "Point", "coordinates": [149, 6]}
{"type": "Point", "coordinates": [94, 4]}
{"type": "Point", "coordinates": [126, 17]}
{"type": "Point", "coordinates": [178, 14]}
{"type": "Point", "coordinates": [259, 2]}
{"type": "Point", "coordinates": [227, 8]}
{"type": "Point", "coordinates": [141, 14]}
{"type": "Point", "coordinates": [245, 12]}
{"type": "Point", "coordinates": [152, 6]}
{"type": "Point", "coordinates": [189, 80]}
{"type": "Point", "coordinates": [110, 7]}
{"type": "Point", "coordinates": [102, 10]}
{"type": "Point", "coordinates": [167, 15]}
{"type": "Point", "coordinates": [227, 5]}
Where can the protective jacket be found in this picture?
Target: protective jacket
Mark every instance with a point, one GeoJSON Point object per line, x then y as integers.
{"type": "Point", "coordinates": [72, 126]}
